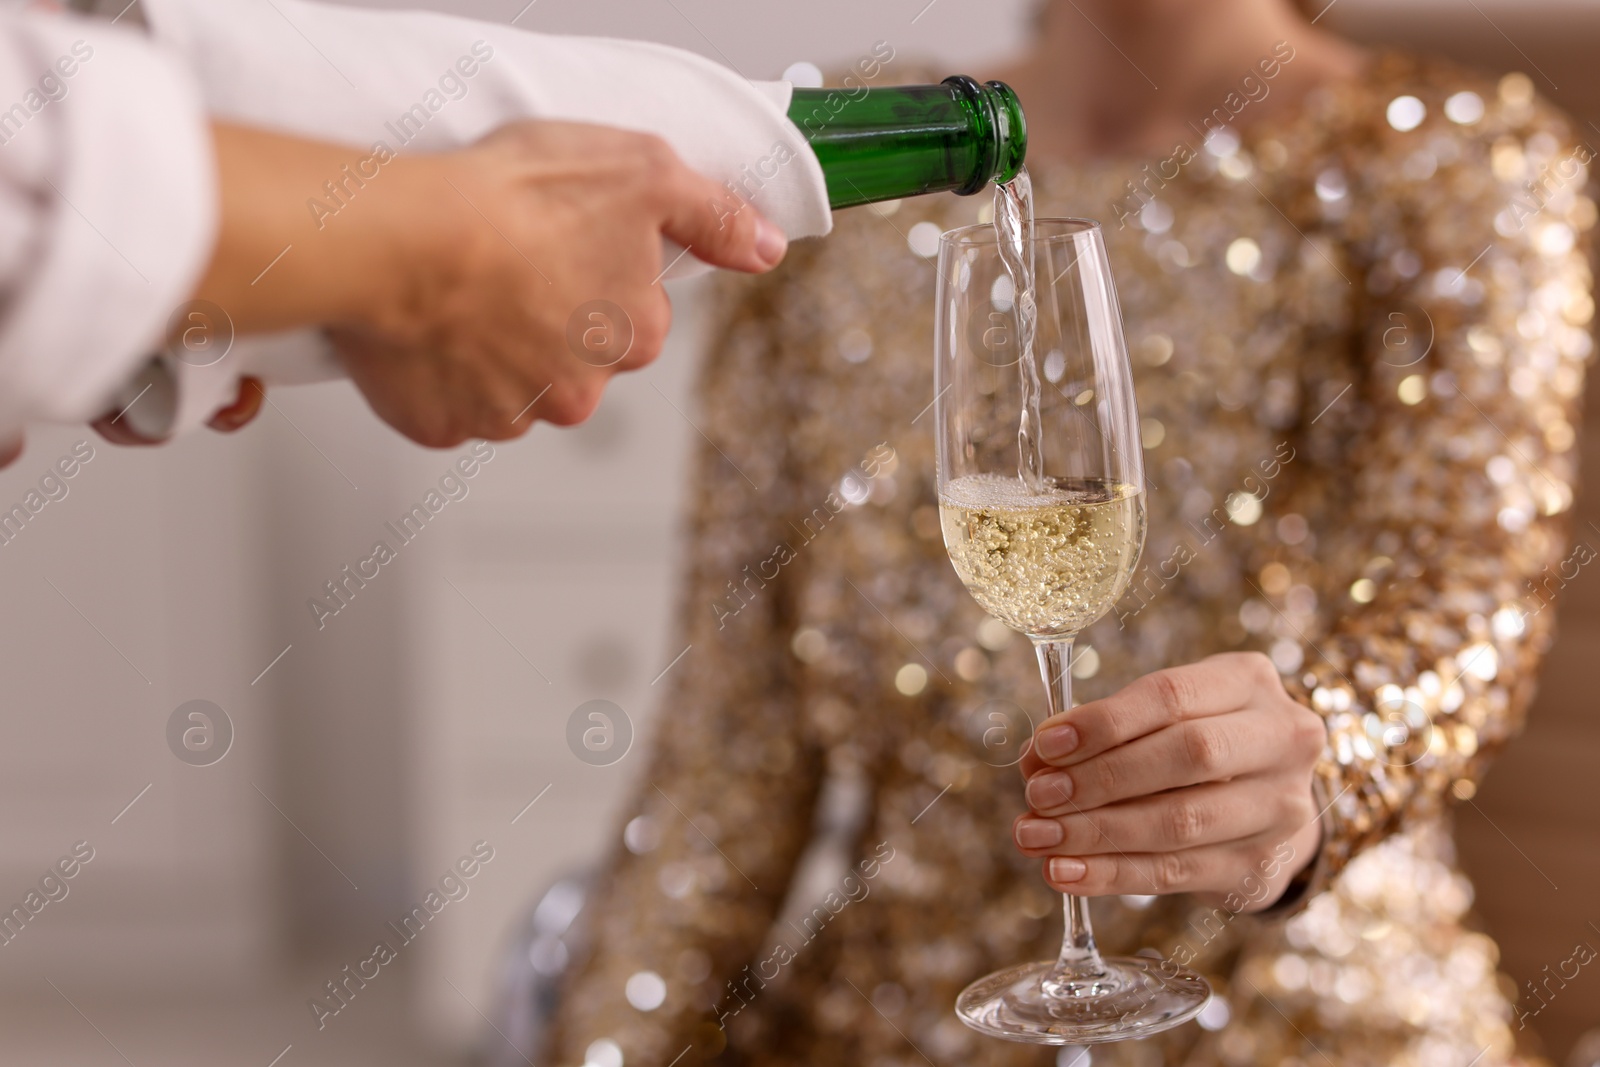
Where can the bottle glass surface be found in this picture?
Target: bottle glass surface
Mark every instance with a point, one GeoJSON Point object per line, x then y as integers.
{"type": "Point", "coordinates": [879, 144]}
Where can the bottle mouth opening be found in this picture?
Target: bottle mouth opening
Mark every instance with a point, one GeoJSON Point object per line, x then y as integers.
{"type": "Point", "coordinates": [1006, 146]}
{"type": "Point", "coordinates": [1012, 131]}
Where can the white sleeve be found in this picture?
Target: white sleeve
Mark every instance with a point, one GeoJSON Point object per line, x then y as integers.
{"type": "Point", "coordinates": [108, 210]}
{"type": "Point", "coordinates": [422, 82]}
{"type": "Point", "coordinates": [419, 81]}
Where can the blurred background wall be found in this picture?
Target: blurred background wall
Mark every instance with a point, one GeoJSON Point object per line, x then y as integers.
{"type": "Point", "coordinates": [370, 754]}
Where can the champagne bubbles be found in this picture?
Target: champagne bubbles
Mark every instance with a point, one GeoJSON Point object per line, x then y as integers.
{"type": "Point", "coordinates": [599, 733]}
{"type": "Point", "coordinates": [199, 733]}
{"type": "Point", "coordinates": [1046, 564]}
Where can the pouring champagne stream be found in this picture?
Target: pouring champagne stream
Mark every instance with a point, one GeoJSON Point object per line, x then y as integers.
{"type": "Point", "coordinates": [1042, 508]}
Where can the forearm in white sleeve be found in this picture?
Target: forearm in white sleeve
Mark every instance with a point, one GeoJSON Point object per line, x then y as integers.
{"type": "Point", "coordinates": [108, 210]}
{"type": "Point", "coordinates": [420, 81]}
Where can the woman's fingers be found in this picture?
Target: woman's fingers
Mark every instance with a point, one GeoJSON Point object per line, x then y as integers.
{"type": "Point", "coordinates": [1207, 749]}
{"type": "Point", "coordinates": [1214, 686]}
{"type": "Point", "coordinates": [1189, 780]}
{"type": "Point", "coordinates": [1209, 869]}
{"type": "Point", "coordinates": [1211, 814]}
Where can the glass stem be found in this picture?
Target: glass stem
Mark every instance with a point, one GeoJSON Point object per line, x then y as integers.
{"type": "Point", "coordinates": [1079, 971]}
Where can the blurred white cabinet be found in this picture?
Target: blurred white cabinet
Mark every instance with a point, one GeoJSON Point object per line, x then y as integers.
{"type": "Point", "coordinates": [555, 587]}
{"type": "Point", "coordinates": [131, 594]}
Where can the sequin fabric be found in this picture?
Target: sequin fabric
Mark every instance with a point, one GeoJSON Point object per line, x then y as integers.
{"type": "Point", "coordinates": [1359, 335]}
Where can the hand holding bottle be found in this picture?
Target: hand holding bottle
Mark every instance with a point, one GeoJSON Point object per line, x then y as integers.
{"type": "Point", "coordinates": [456, 284]}
{"type": "Point", "coordinates": [422, 273]}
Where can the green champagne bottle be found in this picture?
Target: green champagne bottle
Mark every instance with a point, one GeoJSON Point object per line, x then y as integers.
{"type": "Point", "coordinates": [884, 144]}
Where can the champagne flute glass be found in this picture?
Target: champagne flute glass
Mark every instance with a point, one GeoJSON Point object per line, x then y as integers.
{"type": "Point", "coordinates": [1046, 554]}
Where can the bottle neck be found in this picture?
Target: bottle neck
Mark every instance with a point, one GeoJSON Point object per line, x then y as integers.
{"type": "Point", "coordinates": [889, 143]}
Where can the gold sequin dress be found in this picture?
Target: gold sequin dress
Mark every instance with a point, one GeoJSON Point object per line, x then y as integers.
{"type": "Point", "coordinates": [1359, 334]}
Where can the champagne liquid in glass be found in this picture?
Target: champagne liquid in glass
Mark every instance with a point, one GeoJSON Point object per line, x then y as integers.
{"type": "Point", "coordinates": [1013, 225]}
{"type": "Point", "coordinates": [1048, 563]}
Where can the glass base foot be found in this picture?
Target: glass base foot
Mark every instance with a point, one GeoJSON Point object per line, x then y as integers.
{"type": "Point", "coordinates": [1133, 997]}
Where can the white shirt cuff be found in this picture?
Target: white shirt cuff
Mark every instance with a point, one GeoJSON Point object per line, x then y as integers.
{"type": "Point", "coordinates": [115, 168]}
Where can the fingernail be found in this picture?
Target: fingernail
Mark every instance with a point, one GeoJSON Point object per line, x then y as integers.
{"type": "Point", "coordinates": [1039, 833]}
{"type": "Point", "coordinates": [1057, 742]}
{"type": "Point", "coordinates": [1048, 791]}
{"type": "Point", "coordinates": [771, 244]}
{"type": "Point", "coordinates": [1064, 869]}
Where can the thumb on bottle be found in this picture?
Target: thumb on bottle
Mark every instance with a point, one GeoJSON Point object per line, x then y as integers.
{"type": "Point", "coordinates": [721, 229]}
